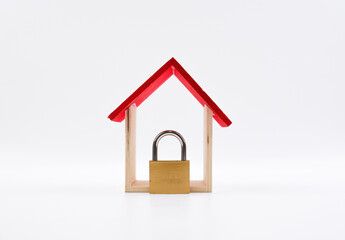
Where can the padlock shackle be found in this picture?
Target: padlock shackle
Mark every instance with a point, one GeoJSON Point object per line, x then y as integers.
{"type": "Point", "coordinates": [169, 133]}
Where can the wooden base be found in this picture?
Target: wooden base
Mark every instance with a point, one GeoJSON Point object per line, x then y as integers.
{"type": "Point", "coordinates": [139, 186]}
{"type": "Point", "coordinates": [143, 186]}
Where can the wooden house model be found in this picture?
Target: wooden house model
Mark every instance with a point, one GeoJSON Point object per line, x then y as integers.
{"type": "Point", "coordinates": [127, 111]}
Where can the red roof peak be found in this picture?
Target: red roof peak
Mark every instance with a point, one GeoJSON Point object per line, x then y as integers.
{"type": "Point", "coordinates": [172, 67]}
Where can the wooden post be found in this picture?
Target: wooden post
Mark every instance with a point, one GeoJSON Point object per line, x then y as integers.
{"type": "Point", "coordinates": [131, 184]}
{"type": "Point", "coordinates": [130, 121]}
{"type": "Point", "coordinates": [205, 185]}
{"type": "Point", "coordinates": [208, 120]}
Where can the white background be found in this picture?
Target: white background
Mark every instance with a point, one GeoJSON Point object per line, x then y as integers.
{"type": "Point", "coordinates": [276, 68]}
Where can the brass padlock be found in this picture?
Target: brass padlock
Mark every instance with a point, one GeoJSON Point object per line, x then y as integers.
{"type": "Point", "coordinates": [169, 176]}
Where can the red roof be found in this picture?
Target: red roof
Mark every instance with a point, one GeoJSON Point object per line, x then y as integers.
{"type": "Point", "coordinates": [157, 79]}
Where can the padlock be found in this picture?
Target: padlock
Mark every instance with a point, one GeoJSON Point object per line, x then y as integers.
{"type": "Point", "coordinates": [169, 176]}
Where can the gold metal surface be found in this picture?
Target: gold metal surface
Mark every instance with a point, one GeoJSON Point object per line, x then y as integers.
{"type": "Point", "coordinates": [169, 177]}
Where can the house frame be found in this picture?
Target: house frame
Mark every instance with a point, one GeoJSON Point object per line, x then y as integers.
{"type": "Point", "coordinates": [127, 111]}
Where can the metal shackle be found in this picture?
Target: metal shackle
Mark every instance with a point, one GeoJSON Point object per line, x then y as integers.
{"type": "Point", "coordinates": [167, 133]}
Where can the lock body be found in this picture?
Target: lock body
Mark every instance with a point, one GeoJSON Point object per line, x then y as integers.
{"type": "Point", "coordinates": [169, 177]}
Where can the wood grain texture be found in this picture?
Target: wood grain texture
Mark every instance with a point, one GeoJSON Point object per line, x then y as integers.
{"type": "Point", "coordinates": [208, 120]}
{"type": "Point", "coordinates": [130, 145]}
{"type": "Point", "coordinates": [197, 186]}
{"type": "Point", "coordinates": [140, 186]}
